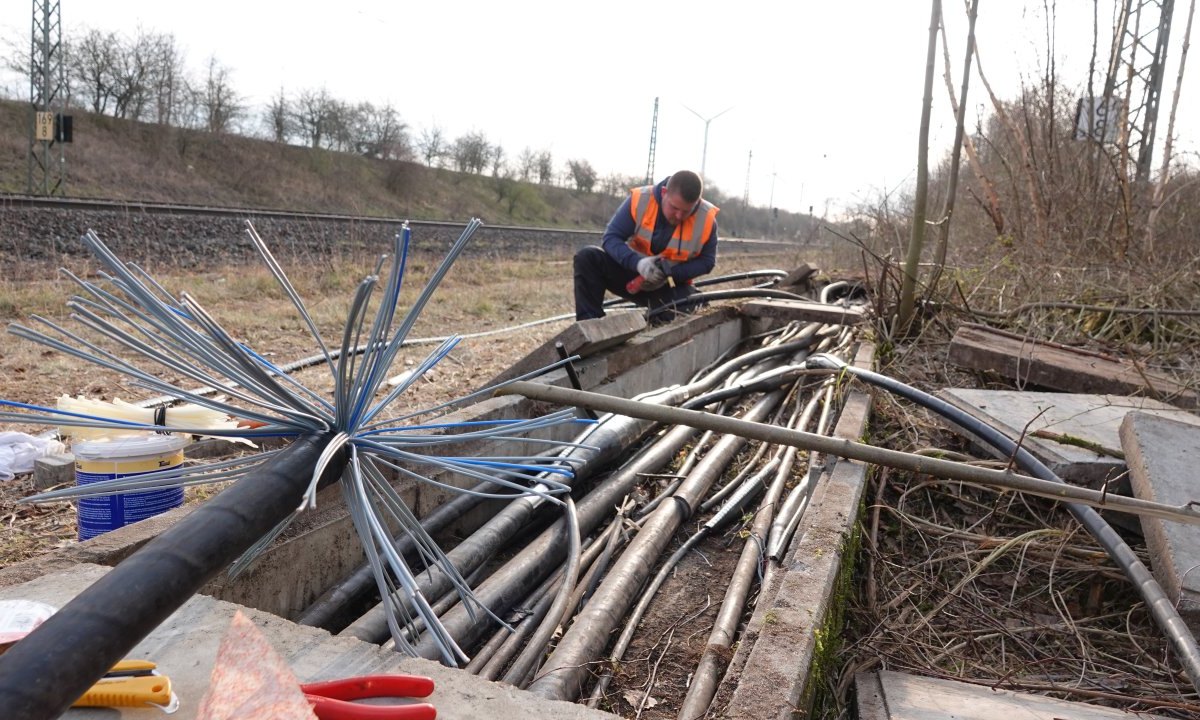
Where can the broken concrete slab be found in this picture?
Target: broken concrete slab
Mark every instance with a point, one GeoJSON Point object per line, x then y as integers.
{"type": "Point", "coordinates": [1075, 435]}
{"type": "Point", "coordinates": [889, 695]}
{"type": "Point", "coordinates": [800, 277]}
{"type": "Point", "coordinates": [1163, 455]}
{"type": "Point", "coordinates": [1036, 363]}
{"type": "Point", "coordinates": [584, 338]}
{"type": "Point", "coordinates": [185, 647]}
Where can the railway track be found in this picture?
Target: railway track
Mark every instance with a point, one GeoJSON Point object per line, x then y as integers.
{"type": "Point", "coordinates": [152, 208]}
{"type": "Point", "coordinates": [127, 207]}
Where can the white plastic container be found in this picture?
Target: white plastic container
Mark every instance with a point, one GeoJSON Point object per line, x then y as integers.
{"type": "Point", "coordinates": [98, 460]}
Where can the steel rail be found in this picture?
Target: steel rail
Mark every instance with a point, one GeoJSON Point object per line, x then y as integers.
{"type": "Point", "coordinates": [242, 213]}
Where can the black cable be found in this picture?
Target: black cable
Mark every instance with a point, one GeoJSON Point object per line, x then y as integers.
{"type": "Point", "coordinates": [703, 297]}
{"type": "Point", "coordinates": [56, 663]}
{"type": "Point", "coordinates": [766, 384]}
{"type": "Point", "coordinates": [776, 275]}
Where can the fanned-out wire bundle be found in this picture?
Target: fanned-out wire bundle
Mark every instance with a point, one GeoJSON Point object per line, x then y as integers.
{"type": "Point", "coordinates": [141, 319]}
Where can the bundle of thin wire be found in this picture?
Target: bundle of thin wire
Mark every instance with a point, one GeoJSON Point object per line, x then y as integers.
{"type": "Point", "coordinates": [157, 331]}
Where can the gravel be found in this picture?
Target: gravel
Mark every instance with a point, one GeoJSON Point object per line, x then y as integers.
{"type": "Point", "coordinates": [41, 235]}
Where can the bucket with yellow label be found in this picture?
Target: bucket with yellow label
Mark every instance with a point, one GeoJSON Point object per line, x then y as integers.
{"type": "Point", "coordinates": [98, 460]}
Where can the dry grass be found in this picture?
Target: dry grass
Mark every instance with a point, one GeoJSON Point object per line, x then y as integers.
{"type": "Point", "coordinates": [967, 583]}
{"type": "Point", "coordinates": [126, 160]}
{"type": "Point", "coordinates": [996, 589]}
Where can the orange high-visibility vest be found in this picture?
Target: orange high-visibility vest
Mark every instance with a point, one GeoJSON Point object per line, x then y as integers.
{"type": "Point", "coordinates": [690, 235]}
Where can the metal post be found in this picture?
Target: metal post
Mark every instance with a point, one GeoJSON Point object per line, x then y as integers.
{"type": "Point", "coordinates": [47, 173]}
{"type": "Point", "coordinates": [653, 143]}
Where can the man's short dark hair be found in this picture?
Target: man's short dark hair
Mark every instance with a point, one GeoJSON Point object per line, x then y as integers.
{"type": "Point", "coordinates": [687, 185]}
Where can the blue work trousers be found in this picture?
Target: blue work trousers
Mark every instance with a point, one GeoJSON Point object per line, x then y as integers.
{"type": "Point", "coordinates": [596, 271]}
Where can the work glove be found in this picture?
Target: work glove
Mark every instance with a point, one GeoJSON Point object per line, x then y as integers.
{"type": "Point", "coordinates": [649, 268]}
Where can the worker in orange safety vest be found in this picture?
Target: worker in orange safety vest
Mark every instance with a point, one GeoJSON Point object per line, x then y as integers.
{"type": "Point", "coordinates": [660, 238]}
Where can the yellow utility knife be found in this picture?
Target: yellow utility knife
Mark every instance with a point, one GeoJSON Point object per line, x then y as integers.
{"type": "Point", "coordinates": [131, 683]}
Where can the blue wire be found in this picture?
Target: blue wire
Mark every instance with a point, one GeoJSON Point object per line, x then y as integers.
{"type": "Point", "coordinates": [466, 460]}
{"type": "Point", "coordinates": [426, 365]}
{"type": "Point", "coordinates": [395, 283]}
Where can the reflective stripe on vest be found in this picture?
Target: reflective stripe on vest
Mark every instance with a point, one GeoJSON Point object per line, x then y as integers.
{"type": "Point", "coordinates": [689, 236]}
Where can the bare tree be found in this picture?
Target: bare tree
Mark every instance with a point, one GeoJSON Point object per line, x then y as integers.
{"type": "Point", "coordinates": [1036, 199]}
{"type": "Point", "coordinates": [278, 117]}
{"type": "Point", "coordinates": [912, 260]}
{"type": "Point", "coordinates": [960, 110]}
{"type": "Point", "coordinates": [1160, 188]}
{"type": "Point", "coordinates": [380, 133]}
{"type": "Point", "coordinates": [992, 198]}
{"type": "Point", "coordinates": [432, 145]}
{"type": "Point", "coordinates": [219, 104]}
{"type": "Point", "coordinates": [470, 152]}
{"type": "Point", "coordinates": [496, 157]}
{"type": "Point", "coordinates": [311, 114]}
{"type": "Point", "coordinates": [167, 84]}
{"type": "Point", "coordinates": [132, 76]}
{"type": "Point", "coordinates": [18, 60]}
{"type": "Point", "coordinates": [582, 174]}
{"type": "Point", "coordinates": [616, 185]}
{"type": "Point", "coordinates": [90, 60]}
{"type": "Point", "coordinates": [526, 162]}
{"type": "Point", "coordinates": [545, 167]}
{"type": "Point", "coordinates": [341, 124]}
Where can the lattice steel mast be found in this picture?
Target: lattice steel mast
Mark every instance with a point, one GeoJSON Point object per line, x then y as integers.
{"type": "Point", "coordinates": [653, 143]}
{"type": "Point", "coordinates": [47, 163]}
{"type": "Point", "coordinates": [1135, 75]}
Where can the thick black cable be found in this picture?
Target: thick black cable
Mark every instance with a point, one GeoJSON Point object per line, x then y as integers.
{"type": "Point", "coordinates": [63, 657]}
{"type": "Point", "coordinates": [775, 275]}
{"type": "Point", "coordinates": [703, 297]}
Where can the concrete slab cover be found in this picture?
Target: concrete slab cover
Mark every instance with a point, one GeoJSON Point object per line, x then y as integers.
{"type": "Point", "coordinates": [1060, 367]}
{"type": "Point", "coordinates": [1094, 419]}
{"type": "Point", "coordinates": [185, 647]}
{"type": "Point", "coordinates": [1163, 456]}
{"type": "Point", "coordinates": [909, 697]}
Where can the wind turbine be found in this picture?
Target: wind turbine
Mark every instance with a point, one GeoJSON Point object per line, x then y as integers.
{"type": "Point", "coordinates": [707, 122]}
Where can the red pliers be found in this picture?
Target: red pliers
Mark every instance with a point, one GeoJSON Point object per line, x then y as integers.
{"type": "Point", "coordinates": [331, 700]}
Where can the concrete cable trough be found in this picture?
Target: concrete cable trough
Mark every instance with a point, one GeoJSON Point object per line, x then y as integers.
{"type": "Point", "coordinates": [285, 581]}
{"type": "Point", "coordinates": [763, 658]}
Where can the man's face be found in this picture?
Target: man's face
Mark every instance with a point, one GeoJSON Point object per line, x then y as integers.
{"type": "Point", "coordinates": [675, 208]}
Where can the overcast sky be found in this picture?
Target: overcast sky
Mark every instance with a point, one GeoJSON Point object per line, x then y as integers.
{"type": "Point", "coordinates": [826, 94]}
